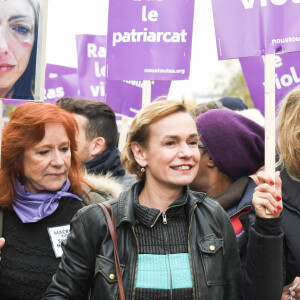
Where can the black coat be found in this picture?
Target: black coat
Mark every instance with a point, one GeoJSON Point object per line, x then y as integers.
{"type": "Point", "coordinates": [290, 224]}
{"type": "Point", "coordinates": [88, 258]}
{"type": "Point", "coordinates": [273, 253]}
{"type": "Point", "coordinates": [263, 270]}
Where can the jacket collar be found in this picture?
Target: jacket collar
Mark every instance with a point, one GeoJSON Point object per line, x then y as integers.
{"type": "Point", "coordinates": [233, 194]}
{"type": "Point", "coordinates": [125, 212]}
{"type": "Point", "coordinates": [245, 199]}
{"type": "Point", "coordinates": [106, 162]}
{"type": "Point", "coordinates": [149, 216]}
{"type": "Point", "coordinates": [290, 189]}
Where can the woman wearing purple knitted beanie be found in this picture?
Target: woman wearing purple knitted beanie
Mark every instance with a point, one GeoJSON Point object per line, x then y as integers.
{"type": "Point", "coordinates": [232, 149]}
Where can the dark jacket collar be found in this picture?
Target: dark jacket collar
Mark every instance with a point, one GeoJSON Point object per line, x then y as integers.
{"type": "Point", "coordinates": [233, 194]}
{"type": "Point", "coordinates": [149, 216]}
{"type": "Point", "coordinates": [290, 190]}
{"type": "Point", "coordinates": [245, 199]}
{"type": "Point", "coordinates": [106, 162]}
{"type": "Point", "coordinates": [125, 202]}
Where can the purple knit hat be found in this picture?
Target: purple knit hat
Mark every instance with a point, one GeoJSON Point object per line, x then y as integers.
{"type": "Point", "coordinates": [234, 142]}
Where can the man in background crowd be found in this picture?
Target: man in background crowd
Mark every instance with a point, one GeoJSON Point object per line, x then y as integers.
{"type": "Point", "coordinates": [97, 138]}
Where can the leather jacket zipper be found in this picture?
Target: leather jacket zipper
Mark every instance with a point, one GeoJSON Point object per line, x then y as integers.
{"type": "Point", "coordinates": [164, 217]}
{"type": "Point", "coordinates": [165, 222]}
{"type": "Point", "coordinates": [164, 214]}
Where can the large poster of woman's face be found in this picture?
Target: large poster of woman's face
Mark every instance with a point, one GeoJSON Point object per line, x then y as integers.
{"type": "Point", "coordinates": [19, 21]}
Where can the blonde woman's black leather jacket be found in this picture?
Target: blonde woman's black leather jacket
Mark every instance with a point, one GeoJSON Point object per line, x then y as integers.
{"type": "Point", "coordinates": [87, 264]}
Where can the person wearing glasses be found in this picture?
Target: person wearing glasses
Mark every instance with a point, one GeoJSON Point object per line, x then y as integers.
{"type": "Point", "coordinates": [173, 243]}
{"type": "Point", "coordinates": [231, 148]}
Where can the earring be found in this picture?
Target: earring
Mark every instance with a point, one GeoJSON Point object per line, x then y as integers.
{"type": "Point", "coordinates": [142, 169]}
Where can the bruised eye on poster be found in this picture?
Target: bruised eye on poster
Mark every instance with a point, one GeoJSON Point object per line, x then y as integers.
{"type": "Point", "coordinates": [19, 35]}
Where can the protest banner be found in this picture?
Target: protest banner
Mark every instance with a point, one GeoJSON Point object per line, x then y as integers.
{"type": "Point", "coordinates": [60, 82]}
{"type": "Point", "coordinates": [54, 71]}
{"type": "Point", "coordinates": [122, 96]}
{"type": "Point", "coordinates": [22, 49]}
{"type": "Point", "coordinates": [149, 40]}
{"type": "Point", "coordinates": [125, 96]}
{"type": "Point", "coordinates": [251, 27]}
{"type": "Point", "coordinates": [91, 54]}
{"type": "Point", "coordinates": [287, 76]}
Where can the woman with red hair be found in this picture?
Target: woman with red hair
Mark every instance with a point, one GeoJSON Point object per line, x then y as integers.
{"type": "Point", "coordinates": [40, 191]}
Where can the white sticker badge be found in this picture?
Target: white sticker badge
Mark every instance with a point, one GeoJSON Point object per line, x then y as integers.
{"type": "Point", "coordinates": [57, 235]}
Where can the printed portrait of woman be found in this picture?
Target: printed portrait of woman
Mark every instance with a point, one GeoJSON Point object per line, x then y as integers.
{"type": "Point", "coordinates": [18, 48]}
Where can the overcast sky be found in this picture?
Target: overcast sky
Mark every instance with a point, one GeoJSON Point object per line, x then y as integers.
{"type": "Point", "coordinates": [66, 18]}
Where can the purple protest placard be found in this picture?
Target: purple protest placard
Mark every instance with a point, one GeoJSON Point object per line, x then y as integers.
{"type": "Point", "coordinates": [91, 57]}
{"type": "Point", "coordinates": [125, 97]}
{"type": "Point", "coordinates": [256, 27]}
{"type": "Point", "coordinates": [15, 101]}
{"type": "Point", "coordinates": [287, 69]}
{"type": "Point", "coordinates": [149, 40]}
{"type": "Point", "coordinates": [60, 81]}
{"type": "Point", "coordinates": [54, 71]}
{"type": "Point", "coordinates": [63, 86]}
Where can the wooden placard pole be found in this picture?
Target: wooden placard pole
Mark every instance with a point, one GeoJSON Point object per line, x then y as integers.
{"type": "Point", "coordinates": [123, 132]}
{"type": "Point", "coordinates": [270, 128]}
{"type": "Point", "coordinates": [146, 97]}
{"type": "Point", "coordinates": [41, 53]}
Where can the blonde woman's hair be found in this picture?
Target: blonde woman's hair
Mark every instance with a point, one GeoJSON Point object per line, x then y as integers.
{"type": "Point", "coordinates": [140, 129]}
{"type": "Point", "coordinates": [289, 132]}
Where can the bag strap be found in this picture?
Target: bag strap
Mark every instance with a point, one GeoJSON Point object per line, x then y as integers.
{"type": "Point", "coordinates": [1, 221]}
{"type": "Point", "coordinates": [111, 221]}
{"type": "Point", "coordinates": [1, 228]}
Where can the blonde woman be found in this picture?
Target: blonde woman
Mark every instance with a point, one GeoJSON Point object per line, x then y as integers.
{"type": "Point", "coordinates": [278, 235]}
{"type": "Point", "coordinates": [289, 167]}
{"type": "Point", "coordinates": [173, 243]}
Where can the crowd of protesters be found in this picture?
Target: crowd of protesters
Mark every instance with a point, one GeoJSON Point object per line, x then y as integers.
{"type": "Point", "coordinates": [196, 215]}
